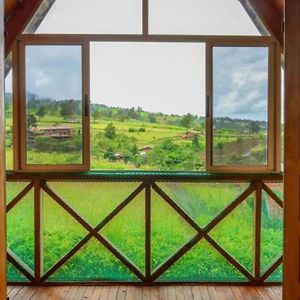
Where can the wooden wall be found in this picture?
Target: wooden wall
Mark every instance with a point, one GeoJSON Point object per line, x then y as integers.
{"type": "Point", "coordinates": [292, 151]}
{"type": "Point", "coordinates": [2, 165]}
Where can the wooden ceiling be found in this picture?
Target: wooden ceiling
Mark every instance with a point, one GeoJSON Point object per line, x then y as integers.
{"type": "Point", "coordinates": [19, 12]}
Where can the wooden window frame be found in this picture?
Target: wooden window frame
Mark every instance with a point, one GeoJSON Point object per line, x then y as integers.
{"type": "Point", "coordinates": [84, 40]}
{"type": "Point", "coordinates": [19, 110]}
{"type": "Point", "coordinates": [274, 112]}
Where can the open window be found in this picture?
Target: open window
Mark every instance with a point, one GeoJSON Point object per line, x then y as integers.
{"type": "Point", "coordinates": [53, 81]}
{"type": "Point", "coordinates": [243, 110]}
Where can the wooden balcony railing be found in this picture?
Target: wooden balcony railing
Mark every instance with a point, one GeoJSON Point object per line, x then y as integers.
{"type": "Point", "coordinates": [160, 231]}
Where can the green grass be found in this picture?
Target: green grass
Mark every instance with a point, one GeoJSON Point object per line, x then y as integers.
{"type": "Point", "coordinates": [93, 201]}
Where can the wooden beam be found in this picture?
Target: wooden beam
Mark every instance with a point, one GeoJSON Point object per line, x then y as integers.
{"type": "Point", "coordinates": [16, 24]}
{"type": "Point", "coordinates": [270, 17]}
{"type": "Point", "coordinates": [291, 257]}
{"type": "Point", "coordinates": [2, 166]}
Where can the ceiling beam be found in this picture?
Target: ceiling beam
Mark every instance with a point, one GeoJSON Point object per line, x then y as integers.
{"type": "Point", "coordinates": [16, 24]}
{"type": "Point", "coordinates": [270, 16]}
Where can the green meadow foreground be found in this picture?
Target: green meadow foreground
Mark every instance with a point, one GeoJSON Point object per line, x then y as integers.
{"type": "Point", "coordinates": [94, 201]}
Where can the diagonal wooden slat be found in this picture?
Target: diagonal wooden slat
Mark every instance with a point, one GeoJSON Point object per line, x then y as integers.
{"type": "Point", "coordinates": [19, 197]}
{"type": "Point", "coordinates": [94, 233]}
{"type": "Point", "coordinates": [223, 214]}
{"type": "Point", "coordinates": [202, 233]}
{"type": "Point", "coordinates": [229, 258]}
{"type": "Point", "coordinates": [272, 195]}
{"type": "Point", "coordinates": [175, 257]}
{"type": "Point", "coordinates": [176, 207]}
{"type": "Point", "coordinates": [271, 269]}
{"type": "Point", "coordinates": [20, 265]}
{"type": "Point", "coordinates": [105, 221]}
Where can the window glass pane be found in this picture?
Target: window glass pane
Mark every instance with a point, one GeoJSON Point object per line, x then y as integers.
{"type": "Point", "coordinates": [240, 105]}
{"type": "Point", "coordinates": [203, 17]}
{"type": "Point", "coordinates": [54, 105]}
{"type": "Point", "coordinates": [8, 121]}
{"type": "Point", "coordinates": [93, 17]}
{"type": "Point", "coordinates": [148, 104]}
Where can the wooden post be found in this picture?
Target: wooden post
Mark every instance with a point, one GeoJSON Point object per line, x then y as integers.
{"type": "Point", "coordinates": [2, 165]}
{"type": "Point", "coordinates": [291, 285]}
{"type": "Point", "coordinates": [257, 230]}
{"type": "Point", "coordinates": [38, 232]}
{"type": "Point", "coordinates": [148, 231]}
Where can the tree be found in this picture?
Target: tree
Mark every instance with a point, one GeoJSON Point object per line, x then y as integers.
{"type": "Point", "coordinates": [254, 127]}
{"type": "Point", "coordinates": [96, 114]}
{"type": "Point", "coordinates": [68, 108]}
{"type": "Point", "coordinates": [41, 112]}
{"type": "Point", "coordinates": [110, 131]}
{"type": "Point", "coordinates": [196, 144]}
{"type": "Point", "coordinates": [187, 121]}
{"type": "Point", "coordinates": [152, 118]}
{"type": "Point", "coordinates": [31, 121]}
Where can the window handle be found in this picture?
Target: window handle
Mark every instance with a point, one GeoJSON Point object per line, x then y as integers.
{"type": "Point", "coordinates": [207, 106]}
{"type": "Point", "coordinates": [86, 106]}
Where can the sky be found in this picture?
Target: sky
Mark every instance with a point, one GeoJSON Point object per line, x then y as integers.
{"type": "Point", "coordinates": [159, 77]}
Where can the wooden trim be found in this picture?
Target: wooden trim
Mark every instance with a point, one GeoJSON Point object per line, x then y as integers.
{"type": "Point", "coordinates": [19, 197]}
{"type": "Point", "coordinates": [272, 195]}
{"type": "Point", "coordinates": [20, 115]}
{"type": "Point", "coordinates": [291, 258]}
{"type": "Point", "coordinates": [270, 17]}
{"type": "Point", "coordinates": [2, 165]}
{"type": "Point", "coordinates": [272, 268]}
{"type": "Point", "coordinates": [38, 231]}
{"type": "Point", "coordinates": [145, 17]}
{"type": "Point", "coordinates": [257, 231]}
{"type": "Point", "coordinates": [22, 267]}
{"type": "Point", "coordinates": [36, 39]}
{"type": "Point", "coordinates": [273, 151]}
{"type": "Point", "coordinates": [19, 20]}
{"type": "Point", "coordinates": [145, 176]}
{"type": "Point", "coordinates": [148, 230]}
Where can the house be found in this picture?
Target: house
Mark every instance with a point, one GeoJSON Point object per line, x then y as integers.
{"type": "Point", "coordinates": [145, 149]}
{"type": "Point", "coordinates": [190, 135]}
{"type": "Point", "coordinates": [57, 132]}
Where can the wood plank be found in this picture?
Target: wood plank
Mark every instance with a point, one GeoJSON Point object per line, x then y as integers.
{"type": "Point", "coordinates": [204, 293]}
{"type": "Point", "coordinates": [187, 291]}
{"type": "Point", "coordinates": [56, 293]}
{"type": "Point", "coordinates": [163, 293]}
{"type": "Point", "coordinates": [19, 20]}
{"type": "Point", "coordinates": [25, 293]}
{"type": "Point", "coordinates": [178, 292]}
{"type": "Point", "coordinates": [154, 293]}
{"type": "Point", "coordinates": [14, 291]}
{"type": "Point", "coordinates": [88, 292]}
{"type": "Point", "coordinates": [134, 293]}
{"type": "Point", "coordinates": [42, 293]}
{"type": "Point", "coordinates": [271, 18]}
{"type": "Point", "coordinates": [96, 293]}
{"type": "Point", "coordinates": [146, 293]}
{"type": "Point", "coordinates": [171, 293]}
{"type": "Point", "coordinates": [122, 293]}
{"type": "Point", "coordinates": [105, 293]}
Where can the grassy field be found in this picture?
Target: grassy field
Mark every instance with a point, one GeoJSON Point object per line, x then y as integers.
{"type": "Point", "coordinates": [168, 232]}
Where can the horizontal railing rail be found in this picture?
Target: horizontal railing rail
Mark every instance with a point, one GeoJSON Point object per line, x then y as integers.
{"type": "Point", "coordinates": [149, 187]}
